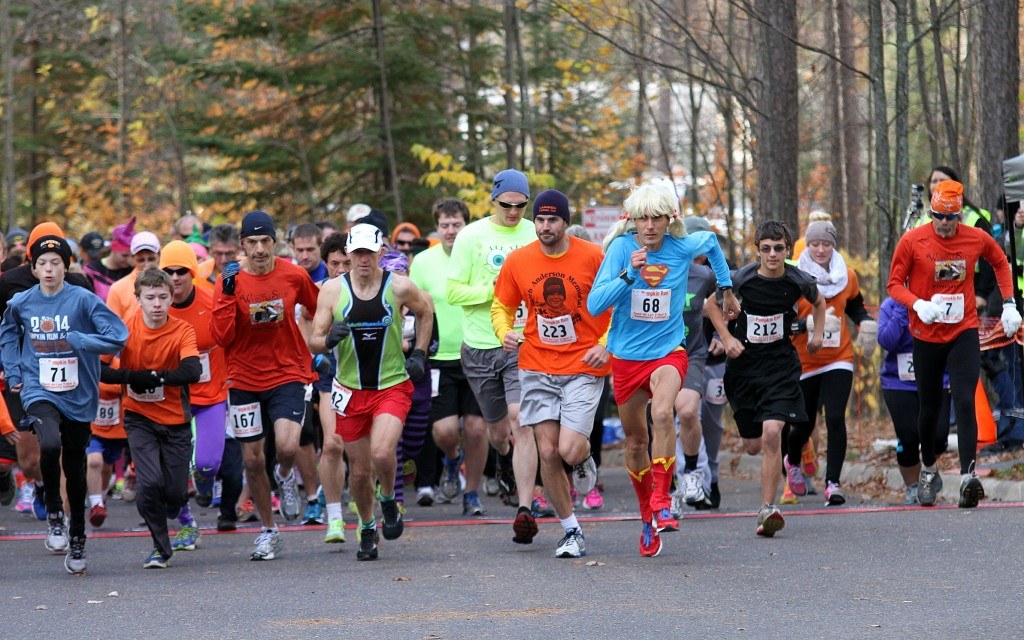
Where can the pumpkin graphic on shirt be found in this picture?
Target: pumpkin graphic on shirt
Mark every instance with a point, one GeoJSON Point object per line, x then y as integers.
{"type": "Point", "coordinates": [266, 312]}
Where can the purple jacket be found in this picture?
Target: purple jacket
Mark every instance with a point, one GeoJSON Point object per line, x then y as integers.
{"type": "Point", "coordinates": [894, 336]}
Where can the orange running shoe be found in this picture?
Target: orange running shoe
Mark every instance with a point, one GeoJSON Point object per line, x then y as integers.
{"type": "Point", "coordinates": [788, 497]}
{"type": "Point", "coordinates": [809, 460]}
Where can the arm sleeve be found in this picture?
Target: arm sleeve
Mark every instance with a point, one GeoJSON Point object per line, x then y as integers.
{"type": "Point", "coordinates": [995, 257]}
{"type": "Point", "coordinates": [899, 269]}
{"type": "Point", "coordinates": [890, 325]}
{"type": "Point", "coordinates": [709, 246]}
{"type": "Point", "coordinates": [223, 325]}
{"type": "Point", "coordinates": [307, 295]}
{"type": "Point", "coordinates": [6, 423]}
{"type": "Point", "coordinates": [856, 310]}
{"type": "Point", "coordinates": [608, 287]}
{"type": "Point", "coordinates": [502, 317]}
{"type": "Point", "coordinates": [110, 335]}
{"type": "Point", "coordinates": [111, 375]}
{"type": "Point", "coordinates": [187, 372]}
{"type": "Point", "coordinates": [458, 289]}
{"type": "Point", "coordinates": [10, 346]}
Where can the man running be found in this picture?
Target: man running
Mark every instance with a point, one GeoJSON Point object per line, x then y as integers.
{"type": "Point", "coordinates": [360, 314]}
{"type": "Point", "coordinates": [225, 247]}
{"type": "Point", "coordinates": [562, 363]}
{"type": "Point", "coordinates": [643, 280]}
{"type": "Point", "coordinates": [268, 366]}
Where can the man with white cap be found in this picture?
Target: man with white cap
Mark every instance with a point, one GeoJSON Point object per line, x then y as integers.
{"type": "Point", "coordinates": [145, 249]}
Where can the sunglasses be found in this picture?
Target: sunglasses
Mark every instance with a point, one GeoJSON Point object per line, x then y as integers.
{"type": "Point", "coordinates": [945, 216]}
{"type": "Point", "coordinates": [176, 272]}
{"type": "Point", "coordinates": [403, 243]}
{"type": "Point", "coordinates": [769, 248]}
{"type": "Point", "coordinates": [513, 205]}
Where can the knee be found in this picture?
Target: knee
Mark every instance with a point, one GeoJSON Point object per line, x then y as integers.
{"type": "Point", "coordinates": [638, 443]}
{"type": "Point", "coordinates": [549, 451]}
{"type": "Point", "coordinates": [334, 447]}
{"type": "Point", "coordinates": [287, 451]}
{"type": "Point", "coordinates": [94, 462]}
{"type": "Point", "coordinates": [254, 462]}
{"type": "Point", "coordinates": [359, 474]}
{"type": "Point", "coordinates": [573, 452]}
{"type": "Point", "coordinates": [752, 447]}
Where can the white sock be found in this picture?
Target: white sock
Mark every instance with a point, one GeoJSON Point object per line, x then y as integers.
{"type": "Point", "coordinates": [95, 499]}
{"type": "Point", "coordinates": [570, 523]}
{"type": "Point", "coordinates": [333, 511]}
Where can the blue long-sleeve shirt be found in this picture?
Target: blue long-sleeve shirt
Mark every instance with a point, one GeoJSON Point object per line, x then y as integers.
{"type": "Point", "coordinates": [71, 324]}
{"type": "Point", "coordinates": [642, 328]}
{"type": "Point", "coordinates": [894, 336]}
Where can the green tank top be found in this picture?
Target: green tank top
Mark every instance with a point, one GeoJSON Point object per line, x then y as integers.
{"type": "Point", "coordinates": [371, 358]}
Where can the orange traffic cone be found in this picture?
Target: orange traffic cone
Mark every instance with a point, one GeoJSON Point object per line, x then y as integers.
{"type": "Point", "coordinates": [983, 413]}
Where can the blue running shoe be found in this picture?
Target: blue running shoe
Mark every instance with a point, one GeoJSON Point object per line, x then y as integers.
{"type": "Point", "coordinates": [155, 560]}
{"type": "Point", "coordinates": [450, 485]}
{"type": "Point", "coordinates": [471, 504]}
{"type": "Point", "coordinates": [39, 505]}
{"type": "Point", "coordinates": [187, 538]}
{"type": "Point", "coordinates": [314, 513]}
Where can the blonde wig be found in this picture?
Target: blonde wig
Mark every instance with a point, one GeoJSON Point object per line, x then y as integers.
{"type": "Point", "coordinates": [648, 199]}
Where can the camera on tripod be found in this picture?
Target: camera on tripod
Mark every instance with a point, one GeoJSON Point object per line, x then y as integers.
{"type": "Point", "coordinates": [915, 207]}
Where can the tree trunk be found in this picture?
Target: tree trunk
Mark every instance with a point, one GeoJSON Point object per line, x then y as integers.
{"type": "Point", "coordinates": [952, 138]}
{"type": "Point", "coordinates": [901, 181]}
{"type": "Point", "coordinates": [527, 135]}
{"type": "Point", "coordinates": [854, 133]}
{"type": "Point", "coordinates": [726, 109]}
{"type": "Point", "coordinates": [834, 110]}
{"type": "Point", "coordinates": [641, 97]}
{"type": "Point", "coordinates": [509, 84]}
{"type": "Point", "coordinates": [123, 101]}
{"type": "Point", "coordinates": [999, 79]}
{"type": "Point", "coordinates": [924, 90]}
{"type": "Point", "coordinates": [472, 90]}
{"type": "Point", "coordinates": [8, 69]}
{"type": "Point", "coordinates": [385, 110]}
{"type": "Point", "coordinates": [883, 195]}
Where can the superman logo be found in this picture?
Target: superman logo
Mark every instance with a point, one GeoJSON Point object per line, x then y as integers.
{"type": "Point", "coordinates": [654, 274]}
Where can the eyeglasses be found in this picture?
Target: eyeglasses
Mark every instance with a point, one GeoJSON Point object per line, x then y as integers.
{"type": "Point", "coordinates": [176, 272]}
{"type": "Point", "coordinates": [945, 216]}
{"type": "Point", "coordinates": [513, 205]}
{"type": "Point", "coordinates": [769, 248]}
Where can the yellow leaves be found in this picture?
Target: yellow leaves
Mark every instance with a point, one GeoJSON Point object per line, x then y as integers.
{"type": "Point", "coordinates": [252, 83]}
{"type": "Point", "coordinates": [44, 70]}
{"type": "Point", "coordinates": [563, 65]}
{"type": "Point", "coordinates": [92, 12]}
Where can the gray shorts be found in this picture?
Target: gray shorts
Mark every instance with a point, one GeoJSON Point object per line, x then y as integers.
{"type": "Point", "coordinates": [569, 400]}
{"type": "Point", "coordinates": [695, 375]}
{"type": "Point", "coordinates": [493, 374]}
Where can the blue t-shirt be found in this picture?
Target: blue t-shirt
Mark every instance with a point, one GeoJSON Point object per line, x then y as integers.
{"type": "Point", "coordinates": [319, 273]}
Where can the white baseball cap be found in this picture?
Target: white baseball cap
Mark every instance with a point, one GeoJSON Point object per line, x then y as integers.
{"type": "Point", "coordinates": [364, 236]}
{"type": "Point", "coordinates": [357, 212]}
{"type": "Point", "coordinates": [145, 240]}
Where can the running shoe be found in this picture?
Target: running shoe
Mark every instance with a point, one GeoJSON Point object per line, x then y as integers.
{"type": "Point", "coordinates": [541, 508]}
{"type": "Point", "coordinates": [504, 474]}
{"type": "Point", "coordinates": [795, 477]}
{"type": "Point", "coordinates": [117, 490]}
{"type": "Point", "coordinates": [425, 496]}
{"type": "Point", "coordinates": [491, 487]}
{"type": "Point", "coordinates": [471, 504]}
{"type": "Point", "coordinates": [247, 511]}
{"type": "Point", "coordinates": [335, 532]}
{"type": "Point", "coordinates": [155, 560]}
{"type": "Point", "coordinates": [227, 523]}
{"type": "Point", "coordinates": [204, 492]}
{"type": "Point", "coordinates": [218, 492]}
{"type": "Point", "coordinates": [449, 485]}
{"type": "Point", "coordinates": [572, 544]}
{"type": "Point", "coordinates": [665, 521]}
{"type": "Point", "coordinates": [74, 561]}
{"type": "Point", "coordinates": [130, 482]}
{"type": "Point", "coordinates": [289, 495]}
{"type": "Point", "coordinates": [910, 494]}
{"type": "Point", "coordinates": [97, 515]}
{"type": "Point", "coordinates": [524, 526]}
{"type": "Point", "coordinates": [769, 521]}
{"type": "Point", "coordinates": [926, 491]}
{"type": "Point", "coordinates": [268, 545]}
{"type": "Point", "coordinates": [8, 489]}
{"type": "Point", "coordinates": [56, 533]}
{"type": "Point", "coordinates": [39, 504]}
{"type": "Point", "coordinates": [392, 525]}
{"type": "Point", "coordinates": [693, 488]}
{"type": "Point", "coordinates": [650, 541]}
{"type": "Point", "coordinates": [809, 459]}
{"type": "Point", "coordinates": [811, 490]}
{"type": "Point", "coordinates": [314, 513]}
{"type": "Point", "coordinates": [187, 538]}
{"type": "Point", "coordinates": [593, 500]}
{"type": "Point", "coordinates": [275, 503]}
{"type": "Point", "coordinates": [971, 490]}
{"type": "Point", "coordinates": [788, 497]}
{"type": "Point", "coordinates": [26, 495]}
{"type": "Point", "coordinates": [409, 472]}
{"type": "Point", "coordinates": [584, 476]}
{"type": "Point", "coordinates": [368, 539]}
{"type": "Point", "coordinates": [834, 496]}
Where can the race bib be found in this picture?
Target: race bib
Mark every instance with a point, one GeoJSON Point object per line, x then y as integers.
{"type": "Point", "coordinates": [650, 305]}
{"type": "Point", "coordinates": [204, 363]}
{"type": "Point", "coordinates": [409, 327]}
{"type": "Point", "coordinates": [952, 306]}
{"type": "Point", "coordinates": [764, 329]}
{"type": "Point", "coordinates": [156, 395]}
{"type": "Point", "coordinates": [715, 393]}
{"type": "Point", "coordinates": [832, 338]}
{"type": "Point", "coordinates": [556, 331]}
{"type": "Point", "coordinates": [108, 413]}
{"type": "Point", "coordinates": [521, 313]}
{"type": "Point", "coordinates": [58, 374]}
{"type": "Point", "coordinates": [245, 420]}
{"type": "Point", "coordinates": [905, 367]}
{"type": "Point", "coordinates": [435, 383]}
{"type": "Point", "coordinates": [340, 395]}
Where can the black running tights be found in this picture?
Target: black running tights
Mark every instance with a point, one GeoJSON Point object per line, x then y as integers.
{"type": "Point", "coordinates": [961, 358]}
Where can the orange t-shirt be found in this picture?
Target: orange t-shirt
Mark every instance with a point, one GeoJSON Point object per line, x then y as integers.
{"type": "Point", "coordinates": [212, 386]}
{"type": "Point", "coordinates": [6, 424]}
{"type": "Point", "coordinates": [159, 350]}
{"type": "Point", "coordinates": [559, 330]}
{"type": "Point", "coordinates": [257, 327]}
{"type": "Point", "coordinates": [202, 279]}
{"type": "Point", "coordinates": [109, 422]}
{"type": "Point", "coordinates": [121, 298]}
{"type": "Point", "coordinates": [837, 347]}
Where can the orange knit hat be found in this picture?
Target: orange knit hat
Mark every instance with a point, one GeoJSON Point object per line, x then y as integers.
{"type": "Point", "coordinates": [178, 254]}
{"type": "Point", "coordinates": [948, 197]}
{"type": "Point", "coordinates": [40, 230]}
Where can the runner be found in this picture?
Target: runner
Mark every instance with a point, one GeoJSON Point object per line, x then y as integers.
{"type": "Point", "coordinates": [118, 264]}
{"type": "Point", "coordinates": [268, 366]}
{"type": "Point", "coordinates": [762, 378]}
{"type": "Point", "coordinates": [106, 447]}
{"type": "Point", "coordinates": [50, 341]}
{"type": "Point", "coordinates": [158, 363]}
{"type": "Point", "coordinates": [225, 247]}
{"type": "Point", "coordinates": [145, 249]}
{"type": "Point", "coordinates": [477, 255]}
{"type": "Point", "coordinates": [562, 361]}
{"type": "Point", "coordinates": [358, 313]}
{"type": "Point", "coordinates": [932, 272]}
{"type": "Point", "coordinates": [453, 400]}
{"type": "Point", "coordinates": [646, 266]}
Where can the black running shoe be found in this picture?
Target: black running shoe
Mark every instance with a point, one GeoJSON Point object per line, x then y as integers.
{"type": "Point", "coordinates": [393, 525]}
{"type": "Point", "coordinates": [367, 544]}
{"type": "Point", "coordinates": [971, 491]}
{"type": "Point", "coordinates": [504, 473]}
{"type": "Point", "coordinates": [524, 526]}
{"type": "Point", "coordinates": [227, 523]}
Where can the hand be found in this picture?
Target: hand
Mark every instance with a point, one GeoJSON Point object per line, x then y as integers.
{"type": "Point", "coordinates": [979, 304]}
{"type": "Point", "coordinates": [512, 341]}
{"type": "Point", "coordinates": [730, 305]}
{"type": "Point", "coordinates": [596, 357]}
{"type": "Point", "coordinates": [339, 331]}
{"type": "Point", "coordinates": [638, 258]}
{"type": "Point", "coordinates": [228, 276]}
{"type": "Point", "coordinates": [416, 365]}
{"type": "Point", "coordinates": [927, 311]}
{"type": "Point", "coordinates": [867, 338]}
{"type": "Point", "coordinates": [144, 381]}
{"type": "Point", "coordinates": [814, 344]}
{"type": "Point", "coordinates": [322, 364]}
{"type": "Point", "coordinates": [733, 347]}
{"type": "Point", "coordinates": [832, 323]}
{"type": "Point", "coordinates": [1010, 319]}
{"type": "Point", "coordinates": [716, 348]}
{"type": "Point", "coordinates": [13, 437]}
{"type": "Point", "coordinates": [16, 388]}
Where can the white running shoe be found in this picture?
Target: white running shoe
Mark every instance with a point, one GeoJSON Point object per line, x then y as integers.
{"type": "Point", "coordinates": [693, 488]}
{"type": "Point", "coordinates": [572, 545]}
{"type": "Point", "coordinates": [584, 476]}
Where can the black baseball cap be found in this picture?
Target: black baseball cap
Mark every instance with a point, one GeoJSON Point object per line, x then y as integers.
{"type": "Point", "coordinates": [93, 243]}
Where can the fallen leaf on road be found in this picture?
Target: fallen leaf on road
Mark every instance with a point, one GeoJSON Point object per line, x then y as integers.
{"type": "Point", "coordinates": [113, 594]}
{"type": "Point", "coordinates": [93, 602]}
{"type": "Point", "coordinates": [595, 563]}
{"type": "Point", "coordinates": [401, 578]}
{"type": "Point", "coordinates": [491, 576]}
{"type": "Point", "coordinates": [447, 575]}
{"type": "Point", "coordinates": [16, 598]}
{"type": "Point", "coordinates": [42, 607]}
{"type": "Point", "coordinates": [875, 625]}
{"type": "Point", "coordinates": [212, 573]}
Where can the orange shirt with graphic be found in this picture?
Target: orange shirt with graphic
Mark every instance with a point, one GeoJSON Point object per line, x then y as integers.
{"type": "Point", "coordinates": [830, 352]}
{"type": "Point", "coordinates": [109, 422]}
{"type": "Point", "coordinates": [159, 350]}
{"type": "Point", "coordinates": [559, 330]}
{"type": "Point", "coordinates": [213, 383]}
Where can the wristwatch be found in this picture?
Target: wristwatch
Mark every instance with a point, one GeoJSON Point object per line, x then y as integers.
{"type": "Point", "coordinates": [625, 277]}
{"type": "Point", "coordinates": [727, 287]}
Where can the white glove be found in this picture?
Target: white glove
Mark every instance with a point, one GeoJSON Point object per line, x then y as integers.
{"type": "Point", "coordinates": [832, 323]}
{"type": "Point", "coordinates": [867, 338]}
{"type": "Point", "coordinates": [1010, 319]}
{"type": "Point", "coordinates": [927, 311]}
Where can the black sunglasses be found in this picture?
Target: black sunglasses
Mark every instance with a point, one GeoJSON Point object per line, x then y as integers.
{"type": "Point", "coordinates": [513, 205]}
{"type": "Point", "coordinates": [176, 272]}
{"type": "Point", "coordinates": [945, 216]}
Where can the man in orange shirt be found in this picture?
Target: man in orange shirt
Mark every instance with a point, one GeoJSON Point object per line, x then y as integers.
{"type": "Point", "coordinates": [158, 363]}
{"type": "Point", "coordinates": [562, 358]}
{"type": "Point", "coordinates": [145, 248]}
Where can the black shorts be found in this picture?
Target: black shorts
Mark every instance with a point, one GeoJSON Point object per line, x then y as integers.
{"type": "Point", "coordinates": [755, 399]}
{"type": "Point", "coordinates": [454, 395]}
{"type": "Point", "coordinates": [286, 402]}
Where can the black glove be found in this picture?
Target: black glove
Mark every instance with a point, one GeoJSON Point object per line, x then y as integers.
{"type": "Point", "coordinates": [28, 423]}
{"type": "Point", "coordinates": [144, 381]}
{"type": "Point", "coordinates": [322, 364]}
{"type": "Point", "coordinates": [339, 331]}
{"type": "Point", "coordinates": [228, 276]}
{"type": "Point", "coordinates": [416, 365]}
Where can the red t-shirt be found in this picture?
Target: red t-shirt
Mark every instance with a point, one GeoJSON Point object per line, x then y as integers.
{"type": "Point", "coordinates": [257, 327]}
{"type": "Point", "coordinates": [926, 266]}
{"type": "Point", "coordinates": [213, 385]}
{"type": "Point", "coordinates": [158, 350]}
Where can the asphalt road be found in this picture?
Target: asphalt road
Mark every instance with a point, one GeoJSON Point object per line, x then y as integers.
{"type": "Point", "coordinates": [860, 571]}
